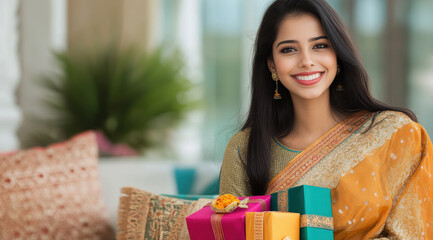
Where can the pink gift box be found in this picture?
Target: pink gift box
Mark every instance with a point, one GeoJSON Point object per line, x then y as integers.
{"type": "Point", "coordinates": [207, 225]}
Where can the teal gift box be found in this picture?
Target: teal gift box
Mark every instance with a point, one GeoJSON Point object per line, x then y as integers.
{"type": "Point", "coordinates": [314, 205]}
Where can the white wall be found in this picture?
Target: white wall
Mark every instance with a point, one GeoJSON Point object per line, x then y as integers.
{"type": "Point", "coordinates": [9, 74]}
{"type": "Point", "coordinates": [42, 31]}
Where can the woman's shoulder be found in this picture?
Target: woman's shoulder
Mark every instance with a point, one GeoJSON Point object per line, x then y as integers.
{"type": "Point", "coordinates": [240, 138]}
{"type": "Point", "coordinates": [237, 146]}
{"type": "Point", "coordinates": [395, 117]}
{"type": "Point", "coordinates": [393, 120]}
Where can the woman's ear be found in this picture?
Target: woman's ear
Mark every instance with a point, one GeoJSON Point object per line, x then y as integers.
{"type": "Point", "coordinates": [271, 65]}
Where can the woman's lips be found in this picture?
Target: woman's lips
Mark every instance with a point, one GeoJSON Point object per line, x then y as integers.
{"type": "Point", "coordinates": [309, 78]}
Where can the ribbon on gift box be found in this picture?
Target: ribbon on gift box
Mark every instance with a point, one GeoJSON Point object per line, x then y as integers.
{"type": "Point", "coordinates": [272, 225]}
{"type": "Point", "coordinates": [217, 227]}
{"type": "Point", "coordinates": [216, 219]}
{"type": "Point", "coordinates": [258, 225]}
{"type": "Point", "coordinates": [283, 201]}
{"type": "Point", "coordinates": [317, 221]}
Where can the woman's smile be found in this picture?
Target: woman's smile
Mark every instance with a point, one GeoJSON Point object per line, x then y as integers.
{"type": "Point", "coordinates": [308, 78]}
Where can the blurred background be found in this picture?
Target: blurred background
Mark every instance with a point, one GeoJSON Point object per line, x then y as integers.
{"type": "Point", "coordinates": [165, 83]}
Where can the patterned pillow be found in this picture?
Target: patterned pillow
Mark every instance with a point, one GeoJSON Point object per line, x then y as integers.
{"type": "Point", "coordinates": [53, 192]}
{"type": "Point", "coordinates": [143, 215]}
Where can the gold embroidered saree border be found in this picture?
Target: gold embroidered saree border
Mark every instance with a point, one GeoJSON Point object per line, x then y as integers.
{"type": "Point", "coordinates": [308, 158]}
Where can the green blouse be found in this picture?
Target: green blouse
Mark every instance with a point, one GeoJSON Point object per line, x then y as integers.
{"type": "Point", "coordinates": [234, 178]}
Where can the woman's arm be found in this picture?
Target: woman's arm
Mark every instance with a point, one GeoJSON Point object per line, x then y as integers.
{"type": "Point", "coordinates": [234, 179]}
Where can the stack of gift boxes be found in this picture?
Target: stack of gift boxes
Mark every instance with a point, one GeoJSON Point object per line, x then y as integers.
{"type": "Point", "coordinates": [302, 212]}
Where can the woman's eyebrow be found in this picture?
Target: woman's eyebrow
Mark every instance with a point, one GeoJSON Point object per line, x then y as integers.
{"type": "Point", "coordinates": [295, 41]}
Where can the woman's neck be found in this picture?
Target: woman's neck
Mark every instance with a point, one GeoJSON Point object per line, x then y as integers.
{"type": "Point", "coordinates": [313, 118]}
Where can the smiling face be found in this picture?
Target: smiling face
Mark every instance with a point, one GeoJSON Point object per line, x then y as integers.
{"type": "Point", "coordinates": [303, 57]}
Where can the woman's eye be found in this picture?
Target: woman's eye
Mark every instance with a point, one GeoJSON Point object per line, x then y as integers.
{"type": "Point", "coordinates": [287, 50]}
{"type": "Point", "coordinates": [320, 45]}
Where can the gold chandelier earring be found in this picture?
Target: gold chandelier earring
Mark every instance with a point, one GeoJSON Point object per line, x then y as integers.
{"type": "Point", "coordinates": [277, 96]}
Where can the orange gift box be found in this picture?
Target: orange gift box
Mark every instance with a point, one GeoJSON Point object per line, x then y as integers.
{"type": "Point", "coordinates": [272, 225]}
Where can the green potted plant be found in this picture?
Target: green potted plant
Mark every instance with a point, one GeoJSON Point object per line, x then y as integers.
{"type": "Point", "coordinates": [127, 96]}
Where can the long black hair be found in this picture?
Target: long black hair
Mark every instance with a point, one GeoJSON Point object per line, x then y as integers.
{"type": "Point", "coordinates": [269, 118]}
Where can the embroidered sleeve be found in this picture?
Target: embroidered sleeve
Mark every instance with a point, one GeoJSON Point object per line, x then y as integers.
{"type": "Point", "coordinates": [234, 179]}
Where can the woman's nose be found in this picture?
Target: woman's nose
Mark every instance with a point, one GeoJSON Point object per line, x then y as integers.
{"type": "Point", "coordinates": [306, 60]}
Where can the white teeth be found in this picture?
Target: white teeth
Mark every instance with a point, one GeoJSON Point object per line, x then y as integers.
{"type": "Point", "coordinates": [308, 77]}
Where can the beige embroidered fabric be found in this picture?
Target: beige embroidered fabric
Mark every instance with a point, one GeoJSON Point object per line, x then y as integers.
{"type": "Point", "coordinates": [143, 215]}
{"type": "Point", "coordinates": [53, 192]}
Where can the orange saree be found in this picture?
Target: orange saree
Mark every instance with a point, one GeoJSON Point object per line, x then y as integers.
{"type": "Point", "coordinates": [379, 175]}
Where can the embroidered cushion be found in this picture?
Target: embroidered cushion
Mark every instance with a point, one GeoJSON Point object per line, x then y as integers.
{"type": "Point", "coordinates": [143, 215]}
{"type": "Point", "coordinates": [53, 192]}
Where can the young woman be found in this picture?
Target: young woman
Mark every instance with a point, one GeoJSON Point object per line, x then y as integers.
{"type": "Point", "coordinates": [313, 121]}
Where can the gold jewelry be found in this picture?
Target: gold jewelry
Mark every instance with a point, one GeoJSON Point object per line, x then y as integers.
{"type": "Point", "coordinates": [275, 77]}
{"type": "Point", "coordinates": [338, 69]}
{"type": "Point", "coordinates": [277, 96]}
